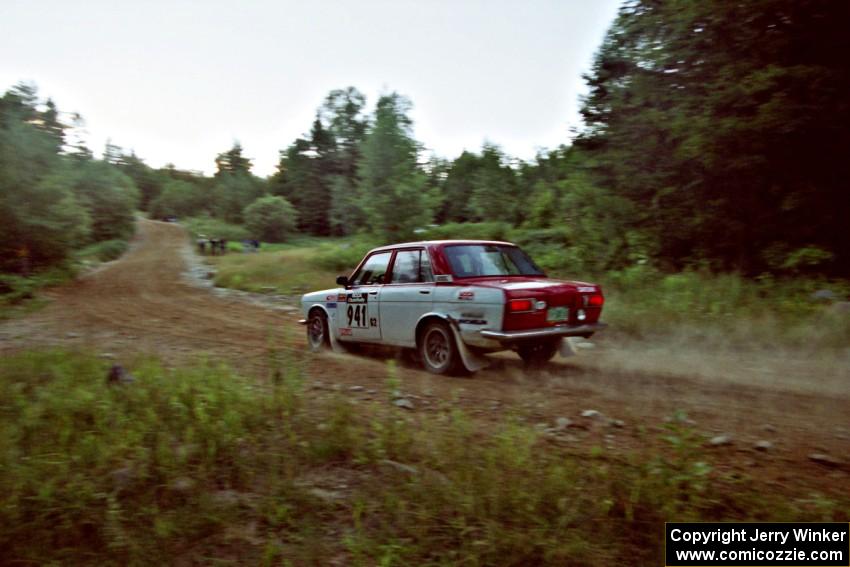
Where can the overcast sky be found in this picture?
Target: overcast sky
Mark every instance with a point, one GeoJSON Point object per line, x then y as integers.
{"type": "Point", "coordinates": [180, 81]}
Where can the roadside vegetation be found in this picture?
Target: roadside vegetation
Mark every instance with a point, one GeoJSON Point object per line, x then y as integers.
{"type": "Point", "coordinates": [187, 464]}
{"type": "Point", "coordinates": [643, 303]}
{"type": "Point", "coordinates": [694, 161]}
{"type": "Point", "coordinates": [706, 192]}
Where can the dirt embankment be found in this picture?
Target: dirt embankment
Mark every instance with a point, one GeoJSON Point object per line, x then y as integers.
{"type": "Point", "coordinates": [143, 304]}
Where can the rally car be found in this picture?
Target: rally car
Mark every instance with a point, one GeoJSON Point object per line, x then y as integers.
{"type": "Point", "coordinates": [453, 301]}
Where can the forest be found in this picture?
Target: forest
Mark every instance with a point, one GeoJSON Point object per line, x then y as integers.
{"type": "Point", "coordinates": [164, 409]}
{"type": "Point", "coordinates": [715, 139]}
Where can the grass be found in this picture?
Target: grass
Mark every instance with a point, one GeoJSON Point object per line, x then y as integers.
{"type": "Point", "coordinates": [105, 251]}
{"type": "Point", "coordinates": [727, 310]}
{"type": "Point", "coordinates": [202, 465]}
{"type": "Point", "coordinates": [293, 268]}
{"type": "Point", "coordinates": [19, 295]}
{"type": "Point", "coordinates": [717, 310]}
{"type": "Point", "coordinates": [286, 271]}
{"type": "Point", "coordinates": [215, 228]}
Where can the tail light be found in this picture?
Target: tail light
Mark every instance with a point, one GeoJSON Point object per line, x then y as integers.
{"type": "Point", "coordinates": [520, 305]}
{"type": "Point", "coordinates": [595, 300]}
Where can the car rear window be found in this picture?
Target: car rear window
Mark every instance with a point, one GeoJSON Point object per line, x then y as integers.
{"type": "Point", "coordinates": [475, 260]}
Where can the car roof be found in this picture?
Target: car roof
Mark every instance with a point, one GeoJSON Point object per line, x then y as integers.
{"type": "Point", "coordinates": [439, 243]}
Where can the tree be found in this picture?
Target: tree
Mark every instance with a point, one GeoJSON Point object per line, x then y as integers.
{"type": "Point", "coordinates": [41, 220]}
{"type": "Point", "coordinates": [148, 180]}
{"type": "Point", "coordinates": [318, 172]}
{"type": "Point", "coordinates": [493, 189]}
{"type": "Point", "coordinates": [232, 161]}
{"type": "Point", "coordinates": [391, 184]}
{"type": "Point", "coordinates": [52, 126]}
{"type": "Point", "coordinates": [41, 224]}
{"type": "Point", "coordinates": [179, 198]}
{"type": "Point", "coordinates": [235, 186]}
{"type": "Point", "coordinates": [721, 122]}
{"type": "Point", "coordinates": [343, 116]}
{"type": "Point", "coordinates": [110, 197]}
{"type": "Point", "coordinates": [77, 148]}
{"type": "Point", "coordinates": [457, 189]}
{"type": "Point", "coordinates": [270, 218]}
{"type": "Point", "coordinates": [298, 181]}
{"type": "Point", "coordinates": [231, 193]}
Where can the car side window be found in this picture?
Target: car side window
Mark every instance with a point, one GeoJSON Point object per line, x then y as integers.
{"type": "Point", "coordinates": [412, 266]}
{"type": "Point", "coordinates": [374, 270]}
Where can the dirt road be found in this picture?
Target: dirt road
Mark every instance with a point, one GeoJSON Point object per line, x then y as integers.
{"type": "Point", "coordinates": [143, 304]}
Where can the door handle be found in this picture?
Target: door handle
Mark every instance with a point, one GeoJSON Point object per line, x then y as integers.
{"type": "Point", "coordinates": [424, 291]}
{"type": "Point", "coordinates": [373, 293]}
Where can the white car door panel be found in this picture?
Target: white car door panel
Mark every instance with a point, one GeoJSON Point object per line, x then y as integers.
{"type": "Point", "coordinates": [358, 319]}
{"type": "Point", "coordinates": [407, 296]}
{"type": "Point", "coordinates": [401, 307]}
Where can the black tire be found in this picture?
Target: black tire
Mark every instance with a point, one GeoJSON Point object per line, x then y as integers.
{"type": "Point", "coordinates": [538, 353]}
{"type": "Point", "coordinates": [317, 331]}
{"type": "Point", "coordinates": [438, 351]}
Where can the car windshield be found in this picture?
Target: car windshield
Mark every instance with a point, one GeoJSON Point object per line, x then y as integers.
{"type": "Point", "coordinates": [474, 260]}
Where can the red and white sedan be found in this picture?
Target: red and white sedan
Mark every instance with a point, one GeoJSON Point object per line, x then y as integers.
{"type": "Point", "coordinates": [453, 301]}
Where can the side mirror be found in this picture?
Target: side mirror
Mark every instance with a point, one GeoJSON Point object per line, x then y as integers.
{"type": "Point", "coordinates": [343, 281]}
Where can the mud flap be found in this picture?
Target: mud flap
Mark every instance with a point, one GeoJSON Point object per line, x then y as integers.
{"type": "Point", "coordinates": [566, 349]}
{"type": "Point", "coordinates": [471, 361]}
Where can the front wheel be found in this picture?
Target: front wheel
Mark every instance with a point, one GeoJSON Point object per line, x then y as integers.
{"type": "Point", "coordinates": [438, 350]}
{"type": "Point", "coordinates": [537, 354]}
{"type": "Point", "coordinates": [317, 331]}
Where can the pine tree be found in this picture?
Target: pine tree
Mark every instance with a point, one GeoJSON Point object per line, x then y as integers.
{"type": "Point", "coordinates": [391, 183]}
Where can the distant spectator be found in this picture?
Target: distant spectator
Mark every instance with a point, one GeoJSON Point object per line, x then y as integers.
{"type": "Point", "coordinates": [202, 246]}
{"type": "Point", "coordinates": [222, 245]}
{"type": "Point", "coordinates": [213, 245]}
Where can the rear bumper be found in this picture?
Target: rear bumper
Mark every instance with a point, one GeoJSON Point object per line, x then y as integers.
{"type": "Point", "coordinates": [572, 331]}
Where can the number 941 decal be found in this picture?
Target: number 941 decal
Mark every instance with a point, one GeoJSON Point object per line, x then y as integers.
{"type": "Point", "coordinates": [358, 316]}
{"type": "Point", "coordinates": [358, 312]}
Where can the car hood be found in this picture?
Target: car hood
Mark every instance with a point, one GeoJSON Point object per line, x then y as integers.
{"type": "Point", "coordinates": [322, 296]}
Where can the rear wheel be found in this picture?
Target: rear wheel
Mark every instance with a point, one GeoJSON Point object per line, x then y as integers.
{"type": "Point", "coordinates": [317, 331]}
{"type": "Point", "coordinates": [438, 351]}
{"type": "Point", "coordinates": [538, 353]}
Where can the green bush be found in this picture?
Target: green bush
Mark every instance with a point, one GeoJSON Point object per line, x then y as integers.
{"type": "Point", "coordinates": [15, 289]}
{"type": "Point", "coordinates": [340, 257]}
{"type": "Point", "coordinates": [548, 248]}
{"type": "Point", "coordinates": [467, 231]}
{"type": "Point", "coordinates": [104, 251]}
{"type": "Point", "coordinates": [215, 228]}
{"type": "Point", "coordinates": [180, 198]}
{"type": "Point", "coordinates": [270, 218]}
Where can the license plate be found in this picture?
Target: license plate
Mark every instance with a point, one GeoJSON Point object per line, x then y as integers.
{"type": "Point", "coordinates": [558, 314]}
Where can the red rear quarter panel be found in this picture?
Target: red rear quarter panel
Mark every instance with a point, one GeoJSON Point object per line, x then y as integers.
{"type": "Point", "coordinates": [556, 293]}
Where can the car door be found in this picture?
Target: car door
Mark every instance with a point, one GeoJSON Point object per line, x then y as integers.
{"type": "Point", "coordinates": [359, 317]}
{"type": "Point", "coordinates": [407, 296]}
